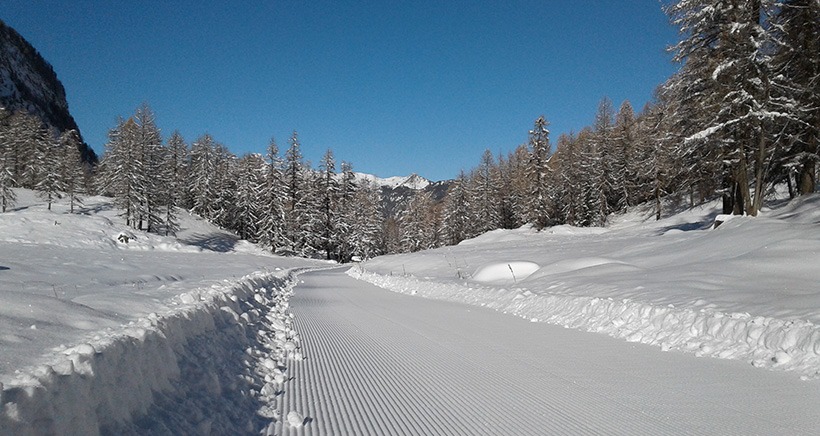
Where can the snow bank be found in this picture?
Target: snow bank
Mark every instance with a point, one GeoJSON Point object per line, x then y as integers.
{"type": "Point", "coordinates": [763, 341]}
{"type": "Point", "coordinates": [214, 362]}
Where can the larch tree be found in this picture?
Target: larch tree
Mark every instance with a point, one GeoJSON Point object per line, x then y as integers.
{"type": "Point", "coordinates": [148, 169]}
{"type": "Point", "coordinates": [485, 183]}
{"type": "Point", "coordinates": [796, 86]}
{"type": "Point", "coordinates": [250, 183]}
{"type": "Point", "coordinates": [175, 175]}
{"type": "Point", "coordinates": [297, 211]}
{"type": "Point", "coordinates": [329, 191]}
{"type": "Point", "coordinates": [724, 44]}
{"type": "Point", "coordinates": [272, 225]}
{"type": "Point", "coordinates": [539, 174]}
{"type": "Point", "coordinates": [456, 211]}
{"type": "Point", "coordinates": [72, 168]}
{"type": "Point", "coordinates": [202, 171]}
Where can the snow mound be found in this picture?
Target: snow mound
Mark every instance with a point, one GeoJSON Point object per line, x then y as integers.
{"type": "Point", "coordinates": [210, 365]}
{"type": "Point", "coordinates": [503, 272]}
{"type": "Point", "coordinates": [583, 263]}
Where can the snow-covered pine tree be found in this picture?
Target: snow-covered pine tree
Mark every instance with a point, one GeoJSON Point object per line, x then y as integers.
{"type": "Point", "coordinates": [327, 188]}
{"type": "Point", "coordinates": [49, 183]}
{"type": "Point", "coordinates": [345, 217]}
{"type": "Point", "coordinates": [202, 172]}
{"type": "Point", "coordinates": [795, 66]}
{"type": "Point", "coordinates": [72, 168]}
{"type": "Point", "coordinates": [724, 51]}
{"type": "Point", "coordinates": [539, 174]}
{"type": "Point", "coordinates": [272, 220]}
{"type": "Point", "coordinates": [120, 166]}
{"type": "Point", "coordinates": [456, 211]}
{"type": "Point", "coordinates": [516, 171]}
{"type": "Point", "coordinates": [592, 209]}
{"type": "Point", "coordinates": [485, 183]}
{"type": "Point", "coordinates": [567, 163]}
{"type": "Point", "coordinates": [366, 224]}
{"type": "Point", "coordinates": [419, 224]}
{"type": "Point", "coordinates": [624, 165]}
{"type": "Point", "coordinates": [660, 172]}
{"type": "Point", "coordinates": [295, 187]}
{"type": "Point", "coordinates": [30, 143]}
{"type": "Point", "coordinates": [174, 173]}
{"type": "Point", "coordinates": [148, 170]}
{"type": "Point", "coordinates": [224, 186]}
{"type": "Point", "coordinates": [602, 160]}
{"type": "Point", "coordinates": [250, 182]}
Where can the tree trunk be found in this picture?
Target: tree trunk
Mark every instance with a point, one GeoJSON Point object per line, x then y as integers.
{"type": "Point", "coordinates": [729, 191]}
{"type": "Point", "coordinates": [760, 164]}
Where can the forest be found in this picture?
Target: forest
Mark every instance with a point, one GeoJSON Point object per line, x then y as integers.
{"type": "Point", "coordinates": [741, 116]}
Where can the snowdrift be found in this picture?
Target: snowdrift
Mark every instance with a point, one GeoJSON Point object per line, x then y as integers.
{"type": "Point", "coordinates": [746, 290]}
{"type": "Point", "coordinates": [213, 362]}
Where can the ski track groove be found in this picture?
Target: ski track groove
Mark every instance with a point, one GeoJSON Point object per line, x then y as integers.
{"type": "Point", "coordinates": [373, 366]}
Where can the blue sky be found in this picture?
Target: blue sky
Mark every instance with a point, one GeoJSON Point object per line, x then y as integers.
{"type": "Point", "coordinates": [394, 87]}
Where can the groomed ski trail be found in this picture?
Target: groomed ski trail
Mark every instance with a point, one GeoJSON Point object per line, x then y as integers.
{"type": "Point", "coordinates": [381, 363]}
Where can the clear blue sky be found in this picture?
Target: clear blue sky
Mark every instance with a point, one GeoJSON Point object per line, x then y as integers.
{"type": "Point", "coordinates": [394, 87]}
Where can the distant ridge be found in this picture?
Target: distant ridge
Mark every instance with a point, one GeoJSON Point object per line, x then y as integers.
{"type": "Point", "coordinates": [413, 181]}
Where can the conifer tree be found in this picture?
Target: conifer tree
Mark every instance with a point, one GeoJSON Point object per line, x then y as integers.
{"type": "Point", "coordinates": [295, 211]}
{"type": "Point", "coordinates": [250, 181]}
{"type": "Point", "coordinates": [72, 168]}
{"type": "Point", "coordinates": [174, 174]}
{"type": "Point", "coordinates": [723, 52]}
{"type": "Point", "coordinates": [538, 172]}
{"type": "Point", "coordinates": [486, 199]}
{"type": "Point", "coordinates": [202, 172]}
{"type": "Point", "coordinates": [456, 212]}
{"type": "Point", "coordinates": [365, 222]}
{"type": "Point", "coordinates": [272, 224]}
{"type": "Point", "coordinates": [624, 165]}
{"type": "Point", "coordinates": [328, 192]}
{"type": "Point", "coordinates": [344, 224]}
{"type": "Point", "coordinates": [795, 69]}
{"type": "Point", "coordinates": [147, 169]}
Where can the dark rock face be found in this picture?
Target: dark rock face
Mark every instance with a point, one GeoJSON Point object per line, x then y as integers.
{"type": "Point", "coordinates": [29, 83]}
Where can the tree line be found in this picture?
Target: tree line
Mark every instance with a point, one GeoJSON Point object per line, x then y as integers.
{"type": "Point", "coordinates": [279, 202]}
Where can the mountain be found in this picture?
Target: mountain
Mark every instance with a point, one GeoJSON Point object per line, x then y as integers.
{"type": "Point", "coordinates": [28, 82]}
{"type": "Point", "coordinates": [413, 181]}
{"type": "Point", "coordinates": [397, 192]}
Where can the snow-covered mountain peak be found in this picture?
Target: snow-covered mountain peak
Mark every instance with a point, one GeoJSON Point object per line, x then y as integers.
{"type": "Point", "coordinates": [413, 181]}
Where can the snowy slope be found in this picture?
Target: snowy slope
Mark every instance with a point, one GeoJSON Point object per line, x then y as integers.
{"type": "Point", "coordinates": [95, 333]}
{"type": "Point", "coordinates": [746, 290]}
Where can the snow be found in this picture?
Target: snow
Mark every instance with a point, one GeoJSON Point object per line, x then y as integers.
{"type": "Point", "coordinates": [505, 272]}
{"type": "Point", "coordinates": [413, 181]}
{"type": "Point", "coordinates": [746, 290]}
{"type": "Point", "coordinates": [99, 335]}
{"type": "Point", "coordinates": [208, 334]}
{"type": "Point", "coordinates": [383, 363]}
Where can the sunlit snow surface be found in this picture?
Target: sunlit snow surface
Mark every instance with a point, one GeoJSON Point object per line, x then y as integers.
{"type": "Point", "coordinates": [90, 325]}
{"type": "Point", "coordinates": [746, 290]}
